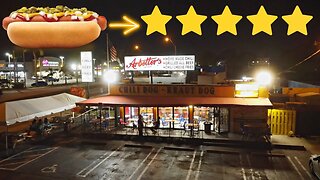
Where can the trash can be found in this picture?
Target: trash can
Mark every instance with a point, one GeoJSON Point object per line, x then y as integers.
{"type": "Point", "coordinates": [207, 128]}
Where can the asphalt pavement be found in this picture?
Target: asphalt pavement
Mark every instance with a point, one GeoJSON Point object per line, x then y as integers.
{"type": "Point", "coordinates": [64, 157]}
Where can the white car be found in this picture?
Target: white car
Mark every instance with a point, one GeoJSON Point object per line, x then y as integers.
{"type": "Point", "coordinates": [314, 164]}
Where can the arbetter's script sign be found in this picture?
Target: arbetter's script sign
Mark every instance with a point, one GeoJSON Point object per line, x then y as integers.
{"type": "Point", "coordinates": [159, 63]}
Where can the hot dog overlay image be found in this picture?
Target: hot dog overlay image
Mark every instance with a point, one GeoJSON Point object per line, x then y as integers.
{"type": "Point", "coordinates": [59, 27]}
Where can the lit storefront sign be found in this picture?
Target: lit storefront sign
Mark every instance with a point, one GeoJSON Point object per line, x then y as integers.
{"type": "Point", "coordinates": [86, 66]}
{"type": "Point", "coordinates": [10, 67]}
{"type": "Point", "coordinates": [168, 90]}
{"type": "Point", "coordinates": [47, 63]}
{"type": "Point", "coordinates": [159, 63]}
{"type": "Point", "coordinates": [247, 90]}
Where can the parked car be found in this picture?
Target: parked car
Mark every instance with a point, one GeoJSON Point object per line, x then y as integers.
{"type": "Point", "coordinates": [39, 84]}
{"type": "Point", "coordinates": [314, 164]}
{"type": "Point", "coordinates": [34, 78]}
{"type": "Point", "coordinates": [53, 79]}
{"type": "Point", "coordinates": [50, 78]}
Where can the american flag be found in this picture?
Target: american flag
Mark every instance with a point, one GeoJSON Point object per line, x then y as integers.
{"type": "Point", "coordinates": [113, 54]}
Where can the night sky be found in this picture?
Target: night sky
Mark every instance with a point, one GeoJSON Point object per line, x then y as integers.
{"type": "Point", "coordinates": [283, 51]}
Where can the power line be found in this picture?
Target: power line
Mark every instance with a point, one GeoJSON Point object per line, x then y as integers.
{"type": "Point", "coordinates": [304, 60]}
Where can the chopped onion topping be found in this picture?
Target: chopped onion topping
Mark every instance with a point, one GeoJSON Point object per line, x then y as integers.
{"type": "Point", "coordinates": [42, 13]}
{"type": "Point", "coordinates": [27, 17]}
{"type": "Point", "coordinates": [95, 15]}
{"type": "Point", "coordinates": [49, 15]}
{"type": "Point", "coordinates": [13, 15]}
{"type": "Point", "coordinates": [80, 18]}
{"type": "Point", "coordinates": [78, 13]}
{"type": "Point", "coordinates": [74, 17]}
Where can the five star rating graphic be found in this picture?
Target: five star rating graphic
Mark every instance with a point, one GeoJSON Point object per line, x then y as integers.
{"type": "Point", "coordinates": [227, 21]}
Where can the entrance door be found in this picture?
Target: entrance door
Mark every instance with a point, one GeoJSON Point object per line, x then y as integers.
{"type": "Point", "coordinates": [220, 119]}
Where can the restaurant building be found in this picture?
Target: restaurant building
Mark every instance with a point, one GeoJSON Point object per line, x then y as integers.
{"type": "Point", "coordinates": [221, 107]}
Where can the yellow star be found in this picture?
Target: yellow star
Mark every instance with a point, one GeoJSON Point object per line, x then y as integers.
{"type": "Point", "coordinates": [156, 21]}
{"type": "Point", "coordinates": [226, 21]}
{"type": "Point", "coordinates": [262, 22]}
{"type": "Point", "coordinates": [297, 22]}
{"type": "Point", "coordinates": [191, 21]}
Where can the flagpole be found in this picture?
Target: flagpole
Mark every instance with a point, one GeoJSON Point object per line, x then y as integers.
{"type": "Point", "coordinates": [108, 60]}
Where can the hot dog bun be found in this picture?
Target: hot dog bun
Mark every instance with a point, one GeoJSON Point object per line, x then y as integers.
{"type": "Point", "coordinates": [66, 34]}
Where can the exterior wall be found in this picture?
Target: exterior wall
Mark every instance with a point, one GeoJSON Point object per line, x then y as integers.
{"type": "Point", "coordinates": [205, 79]}
{"type": "Point", "coordinates": [292, 91]}
{"type": "Point", "coordinates": [212, 78]}
{"type": "Point", "coordinates": [247, 115]}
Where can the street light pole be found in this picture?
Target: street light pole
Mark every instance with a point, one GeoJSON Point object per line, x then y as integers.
{"type": "Point", "coordinates": [9, 64]}
{"type": "Point", "coordinates": [175, 47]}
{"type": "Point", "coordinates": [24, 67]}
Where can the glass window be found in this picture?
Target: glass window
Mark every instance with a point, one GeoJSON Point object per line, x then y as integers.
{"type": "Point", "coordinates": [181, 117]}
{"type": "Point", "coordinates": [132, 115]}
{"type": "Point", "coordinates": [165, 114]}
{"type": "Point", "coordinates": [201, 115]}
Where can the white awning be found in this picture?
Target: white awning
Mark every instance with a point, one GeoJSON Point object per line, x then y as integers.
{"type": "Point", "coordinates": [24, 110]}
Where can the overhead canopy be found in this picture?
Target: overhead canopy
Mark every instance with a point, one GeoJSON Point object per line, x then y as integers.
{"type": "Point", "coordinates": [154, 101]}
{"type": "Point", "coordinates": [23, 110]}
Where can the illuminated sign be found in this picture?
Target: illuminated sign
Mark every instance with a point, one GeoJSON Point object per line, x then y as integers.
{"type": "Point", "coordinates": [172, 90]}
{"type": "Point", "coordinates": [246, 90]}
{"type": "Point", "coordinates": [159, 63]}
{"type": "Point", "coordinates": [86, 66]}
{"type": "Point", "coordinates": [46, 63]}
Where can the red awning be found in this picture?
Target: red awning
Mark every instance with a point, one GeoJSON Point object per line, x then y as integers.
{"type": "Point", "coordinates": [154, 101]}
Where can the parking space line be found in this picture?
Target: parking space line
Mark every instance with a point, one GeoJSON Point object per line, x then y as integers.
{"type": "Point", "coordinates": [33, 150]}
{"type": "Point", "coordinates": [145, 169]}
{"type": "Point", "coordinates": [86, 174]}
{"type": "Point", "coordinates": [141, 164]}
{"type": "Point", "coordinates": [243, 171]}
{"type": "Point", "coordinates": [35, 158]}
{"type": "Point", "coordinates": [199, 166]}
{"type": "Point", "coordinates": [9, 164]}
{"type": "Point", "coordinates": [191, 164]}
{"type": "Point", "coordinates": [304, 169]}
{"type": "Point", "coordinates": [15, 155]}
{"type": "Point", "coordinates": [249, 163]}
{"type": "Point", "coordinates": [295, 167]}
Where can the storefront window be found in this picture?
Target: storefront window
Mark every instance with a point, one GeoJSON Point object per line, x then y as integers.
{"type": "Point", "coordinates": [173, 117]}
{"type": "Point", "coordinates": [165, 114]}
{"type": "Point", "coordinates": [170, 117]}
{"type": "Point", "coordinates": [147, 114]}
{"type": "Point", "coordinates": [217, 117]}
{"type": "Point", "coordinates": [132, 115]}
{"type": "Point", "coordinates": [181, 117]}
{"type": "Point", "coordinates": [201, 115]}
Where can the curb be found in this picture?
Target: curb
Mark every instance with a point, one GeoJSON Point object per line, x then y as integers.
{"type": "Point", "coordinates": [178, 148]}
{"type": "Point", "coordinates": [269, 154]}
{"type": "Point", "coordinates": [290, 147]}
{"type": "Point", "coordinates": [92, 142]}
{"type": "Point", "coordinates": [222, 151]}
{"type": "Point", "coordinates": [138, 146]}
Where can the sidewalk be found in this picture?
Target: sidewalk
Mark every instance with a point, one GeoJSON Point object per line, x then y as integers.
{"type": "Point", "coordinates": [312, 144]}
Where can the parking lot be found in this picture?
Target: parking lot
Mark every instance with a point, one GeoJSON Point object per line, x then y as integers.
{"type": "Point", "coordinates": [132, 160]}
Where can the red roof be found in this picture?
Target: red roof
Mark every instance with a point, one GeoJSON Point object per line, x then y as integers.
{"type": "Point", "coordinates": [154, 101]}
